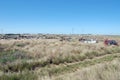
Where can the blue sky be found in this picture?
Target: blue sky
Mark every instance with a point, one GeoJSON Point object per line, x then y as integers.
{"type": "Point", "coordinates": [60, 16]}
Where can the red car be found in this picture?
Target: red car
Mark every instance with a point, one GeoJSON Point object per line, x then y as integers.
{"type": "Point", "coordinates": [110, 42]}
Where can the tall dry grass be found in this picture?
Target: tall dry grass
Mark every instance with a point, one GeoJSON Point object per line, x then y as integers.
{"type": "Point", "coordinates": [43, 54]}
{"type": "Point", "coordinates": [44, 48]}
{"type": "Point", "coordinates": [103, 71]}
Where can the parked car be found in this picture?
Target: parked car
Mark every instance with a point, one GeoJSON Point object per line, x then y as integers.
{"type": "Point", "coordinates": [110, 42]}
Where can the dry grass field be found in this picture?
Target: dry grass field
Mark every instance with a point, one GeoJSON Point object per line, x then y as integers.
{"type": "Point", "coordinates": [51, 59]}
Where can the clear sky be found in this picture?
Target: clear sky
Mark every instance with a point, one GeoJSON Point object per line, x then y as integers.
{"type": "Point", "coordinates": [60, 16]}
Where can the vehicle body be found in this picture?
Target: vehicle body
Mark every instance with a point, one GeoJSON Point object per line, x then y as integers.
{"type": "Point", "coordinates": [110, 42]}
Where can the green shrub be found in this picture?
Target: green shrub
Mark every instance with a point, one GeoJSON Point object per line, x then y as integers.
{"type": "Point", "coordinates": [22, 44]}
{"type": "Point", "coordinates": [20, 76]}
{"type": "Point", "coordinates": [12, 55]}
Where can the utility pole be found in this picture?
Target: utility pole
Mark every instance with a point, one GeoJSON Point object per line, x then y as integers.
{"type": "Point", "coordinates": [72, 30]}
{"type": "Point", "coordinates": [82, 30]}
{"type": "Point", "coordinates": [1, 31]}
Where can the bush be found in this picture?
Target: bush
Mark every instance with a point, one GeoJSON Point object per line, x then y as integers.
{"type": "Point", "coordinates": [12, 55]}
{"type": "Point", "coordinates": [20, 76]}
{"type": "Point", "coordinates": [21, 44]}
